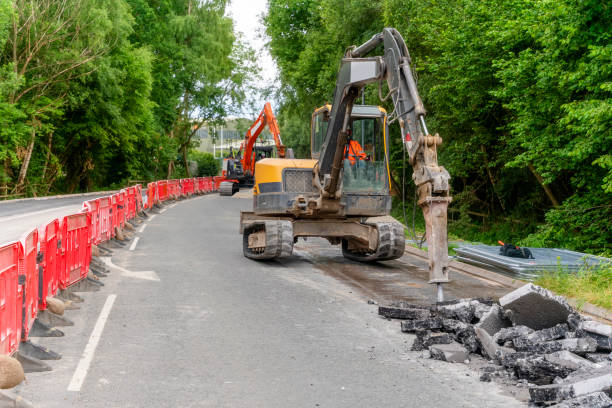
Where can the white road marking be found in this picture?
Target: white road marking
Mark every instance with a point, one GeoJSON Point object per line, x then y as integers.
{"type": "Point", "coordinates": [30, 214]}
{"type": "Point", "coordinates": [143, 227]}
{"type": "Point", "coordinates": [145, 275]}
{"type": "Point", "coordinates": [81, 371]}
{"type": "Point", "coordinates": [134, 243]}
{"type": "Point", "coordinates": [151, 217]}
{"type": "Point", "coordinates": [163, 210]}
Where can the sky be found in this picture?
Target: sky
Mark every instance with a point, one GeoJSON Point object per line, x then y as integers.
{"type": "Point", "coordinates": [247, 16]}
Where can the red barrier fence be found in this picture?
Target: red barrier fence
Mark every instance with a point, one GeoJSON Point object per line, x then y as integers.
{"type": "Point", "coordinates": [130, 200]}
{"type": "Point", "coordinates": [138, 196]}
{"type": "Point", "coordinates": [104, 215]}
{"type": "Point", "coordinates": [121, 209]}
{"type": "Point", "coordinates": [92, 207]}
{"type": "Point", "coordinates": [11, 298]}
{"type": "Point", "coordinates": [50, 242]}
{"type": "Point", "coordinates": [162, 190]}
{"type": "Point", "coordinates": [152, 196]}
{"type": "Point", "coordinates": [28, 273]}
{"type": "Point", "coordinates": [75, 251]}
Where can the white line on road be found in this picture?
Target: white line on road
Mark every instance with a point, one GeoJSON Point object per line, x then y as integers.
{"type": "Point", "coordinates": [134, 243]}
{"type": "Point", "coordinates": [163, 210]}
{"type": "Point", "coordinates": [81, 371]}
{"type": "Point", "coordinates": [151, 217]}
{"type": "Point", "coordinates": [143, 227]}
{"type": "Point", "coordinates": [145, 275]}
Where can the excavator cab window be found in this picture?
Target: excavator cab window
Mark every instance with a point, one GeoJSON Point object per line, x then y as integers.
{"type": "Point", "coordinates": [365, 166]}
{"type": "Point", "coordinates": [320, 120]}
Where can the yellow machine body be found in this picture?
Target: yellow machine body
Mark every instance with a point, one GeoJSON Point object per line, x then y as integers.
{"type": "Point", "coordinates": [269, 173]}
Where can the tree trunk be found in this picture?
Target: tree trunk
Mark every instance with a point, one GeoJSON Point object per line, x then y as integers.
{"type": "Point", "coordinates": [26, 162]}
{"type": "Point", "coordinates": [49, 145]}
{"type": "Point", "coordinates": [491, 179]}
{"type": "Point", "coordinates": [547, 189]}
{"type": "Point", "coordinates": [170, 168]}
{"type": "Point", "coordinates": [187, 172]}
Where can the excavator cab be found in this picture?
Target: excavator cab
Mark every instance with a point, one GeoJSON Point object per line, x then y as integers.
{"type": "Point", "coordinates": [365, 164]}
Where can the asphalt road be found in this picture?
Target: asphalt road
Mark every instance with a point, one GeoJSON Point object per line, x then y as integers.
{"type": "Point", "coordinates": [18, 217]}
{"type": "Point", "coordinates": [192, 323]}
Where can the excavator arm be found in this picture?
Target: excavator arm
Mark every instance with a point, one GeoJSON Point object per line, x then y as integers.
{"type": "Point", "coordinates": [431, 179]}
{"type": "Point", "coordinates": [266, 117]}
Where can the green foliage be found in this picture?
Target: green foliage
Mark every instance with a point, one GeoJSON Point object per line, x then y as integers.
{"type": "Point", "coordinates": [94, 93]}
{"type": "Point", "coordinates": [593, 285]}
{"type": "Point", "coordinates": [520, 91]}
{"type": "Point", "coordinates": [207, 164]}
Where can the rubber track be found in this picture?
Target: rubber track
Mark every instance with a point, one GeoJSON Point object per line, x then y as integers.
{"type": "Point", "coordinates": [226, 188]}
{"type": "Point", "coordinates": [391, 244]}
{"type": "Point", "coordinates": [279, 241]}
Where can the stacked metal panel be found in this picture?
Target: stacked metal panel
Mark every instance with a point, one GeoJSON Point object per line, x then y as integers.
{"type": "Point", "coordinates": [545, 259]}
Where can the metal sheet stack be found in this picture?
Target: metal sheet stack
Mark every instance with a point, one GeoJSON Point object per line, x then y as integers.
{"type": "Point", "coordinates": [545, 259]}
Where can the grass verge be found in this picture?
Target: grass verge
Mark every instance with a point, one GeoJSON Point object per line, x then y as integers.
{"type": "Point", "coordinates": [588, 285]}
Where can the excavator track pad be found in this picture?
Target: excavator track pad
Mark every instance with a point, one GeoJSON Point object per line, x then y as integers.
{"type": "Point", "coordinates": [228, 188]}
{"type": "Point", "coordinates": [391, 244]}
{"type": "Point", "coordinates": [268, 240]}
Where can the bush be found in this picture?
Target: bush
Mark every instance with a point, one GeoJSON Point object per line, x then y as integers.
{"type": "Point", "coordinates": [207, 164]}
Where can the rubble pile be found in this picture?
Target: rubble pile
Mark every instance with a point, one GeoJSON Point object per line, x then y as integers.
{"type": "Point", "coordinates": [531, 336]}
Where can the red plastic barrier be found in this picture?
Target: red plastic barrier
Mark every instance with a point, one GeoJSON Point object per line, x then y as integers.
{"type": "Point", "coordinates": [105, 218]}
{"type": "Point", "coordinates": [50, 241]}
{"type": "Point", "coordinates": [113, 214]}
{"type": "Point", "coordinates": [151, 195]}
{"type": "Point", "coordinates": [28, 270]}
{"type": "Point", "coordinates": [186, 186]}
{"type": "Point", "coordinates": [130, 203]}
{"type": "Point", "coordinates": [174, 189]}
{"type": "Point", "coordinates": [75, 253]}
{"type": "Point", "coordinates": [92, 207]}
{"type": "Point", "coordinates": [163, 190]}
{"type": "Point", "coordinates": [121, 208]}
{"type": "Point", "coordinates": [11, 298]}
{"type": "Point", "coordinates": [138, 196]}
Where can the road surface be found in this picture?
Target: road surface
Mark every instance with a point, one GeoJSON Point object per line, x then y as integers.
{"type": "Point", "coordinates": [184, 320]}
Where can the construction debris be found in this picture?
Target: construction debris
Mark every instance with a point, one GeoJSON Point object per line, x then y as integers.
{"type": "Point", "coordinates": [535, 307]}
{"type": "Point", "coordinates": [452, 353]}
{"type": "Point", "coordinates": [533, 338]}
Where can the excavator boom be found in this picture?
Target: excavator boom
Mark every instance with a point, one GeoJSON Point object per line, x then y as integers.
{"type": "Point", "coordinates": [266, 117]}
{"type": "Point", "coordinates": [431, 179]}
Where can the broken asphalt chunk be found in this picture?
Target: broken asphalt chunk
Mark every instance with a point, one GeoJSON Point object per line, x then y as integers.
{"type": "Point", "coordinates": [540, 336]}
{"type": "Point", "coordinates": [594, 400]}
{"type": "Point", "coordinates": [510, 333]}
{"type": "Point", "coordinates": [535, 307]}
{"type": "Point", "coordinates": [426, 338]}
{"type": "Point", "coordinates": [578, 346]}
{"type": "Point", "coordinates": [409, 326]}
{"type": "Point", "coordinates": [573, 386]}
{"type": "Point", "coordinates": [452, 353]}
{"type": "Point", "coordinates": [493, 321]}
{"type": "Point", "coordinates": [403, 313]}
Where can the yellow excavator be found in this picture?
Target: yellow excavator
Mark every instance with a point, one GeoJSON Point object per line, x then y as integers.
{"type": "Point", "coordinates": [342, 193]}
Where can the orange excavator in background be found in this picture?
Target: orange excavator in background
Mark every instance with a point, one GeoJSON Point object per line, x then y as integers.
{"type": "Point", "coordinates": [239, 171]}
